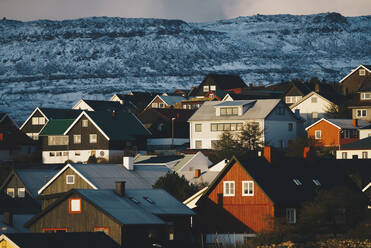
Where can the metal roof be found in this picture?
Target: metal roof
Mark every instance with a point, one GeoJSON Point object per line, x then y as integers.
{"type": "Point", "coordinates": [172, 100]}
{"type": "Point", "coordinates": [260, 110]}
{"type": "Point", "coordinates": [34, 179]}
{"type": "Point", "coordinates": [183, 161]}
{"type": "Point", "coordinates": [348, 123]}
{"type": "Point", "coordinates": [235, 103]}
{"type": "Point", "coordinates": [17, 226]}
{"type": "Point", "coordinates": [56, 127]}
{"type": "Point", "coordinates": [359, 144]}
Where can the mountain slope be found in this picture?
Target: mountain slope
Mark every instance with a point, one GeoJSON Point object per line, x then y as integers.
{"type": "Point", "coordinates": [54, 63]}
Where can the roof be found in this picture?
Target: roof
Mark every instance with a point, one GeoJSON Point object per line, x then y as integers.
{"type": "Point", "coordinates": [150, 115]}
{"type": "Point", "coordinates": [191, 201]}
{"type": "Point", "coordinates": [256, 94]}
{"type": "Point", "coordinates": [341, 123]}
{"type": "Point", "coordinates": [13, 138]}
{"type": "Point", "coordinates": [172, 100]}
{"type": "Point", "coordinates": [60, 240]}
{"type": "Point", "coordinates": [56, 127]}
{"type": "Point", "coordinates": [97, 105]}
{"type": "Point", "coordinates": [235, 103]}
{"type": "Point", "coordinates": [260, 110]}
{"type": "Point", "coordinates": [183, 161]}
{"type": "Point", "coordinates": [359, 144]}
{"type": "Point", "coordinates": [17, 225]}
{"type": "Point", "coordinates": [161, 159]}
{"type": "Point", "coordinates": [117, 126]}
{"type": "Point", "coordinates": [367, 67]}
{"type": "Point", "coordinates": [227, 81]}
{"type": "Point", "coordinates": [308, 96]}
{"type": "Point", "coordinates": [55, 113]}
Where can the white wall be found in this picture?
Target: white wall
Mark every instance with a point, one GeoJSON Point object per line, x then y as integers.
{"type": "Point", "coordinates": [350, 153]}
{"type": "Point", "coordinates": [83, 106]}
{"type": "Point", "coordinates": [84, 156]}
{"type": "Point", "coordinates": [166, 141]}
{"type": "Point", "coordinates": [364, 133]}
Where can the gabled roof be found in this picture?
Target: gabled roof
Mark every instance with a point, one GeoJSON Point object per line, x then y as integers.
{"type": "Point", "coordinates": [166, 114]}
{"type": "Point", "coordinates": [172, 100]}
{"type": "Point", "coordinates": [192, 200]}
{"type": "Point", "coordinates": [59, 240]}
{"type": "Point", "coordinates": [301, 87]}
{"type": "Point", "coordinates": [56, 127]}
{"type": "Point", "coordinates": [227, 81]}
{"type": "Point", "coordinates": [341, 123]}
{"type": "Point", "coordinates": [99, 105]}
{"type": "Point", "coordinates": [117, 126]}
{"type": "Point", "coordinates": [367, 67]}
{"type": "Point", "coordinates": [161, 159]}
{"type": "Point", "coordinates": [308, 96]}
{"type": "Point", "coordinates": [362, 144]}
{"type": "Point", "coordinates": [260, 110]}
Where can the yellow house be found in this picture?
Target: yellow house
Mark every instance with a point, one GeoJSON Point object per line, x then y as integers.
{"type": "Point", "coordinates": [5, 242]}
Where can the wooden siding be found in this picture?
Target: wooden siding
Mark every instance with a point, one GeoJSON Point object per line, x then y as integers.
{"type": "Point", "coordinates": [60, 186]}
{"type": "Point", "coordinates": [253, 211]}
{"type": "Point", "coordinates": [90, 217]}
{"type": "Point", "coordinates": [5, 244]}
{"type": "Point", "coordinates": [158, 101]}
{"type": "Point", "coordinates": [352, 83]}
{"type": "Point", "coordinates": [16, 183]}
{"type": "Point", "coordinates": [29, 128]}
{"type": "Point", "coordinates": [330, 134]}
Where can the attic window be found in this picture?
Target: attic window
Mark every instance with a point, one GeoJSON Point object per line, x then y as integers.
{"type": "Point", "coordinates": [85, 123]}
{"type": "Point", "coordinates": [21, 192]}
{"type": "Point", "coordinates": [362, 72]}
{"type": "Point", "coordinates": [366, 96]}
{"type": "Point", "coordinates": [206, 88]}
{"type": "Point", "coordinates": [212, 87]}
{"type": "Point", "coordinates": [70, 179]}
{"type": "Point", "coordinates": [316, 182]}
{"type": "Point", "coordinates": [10, 192]}
{"type": "Point", "coordinates": [297, 182]}
{"type": "Point", "coordinates": [148, 199]}
{"type": "Point", "coordinates": [314, 99]}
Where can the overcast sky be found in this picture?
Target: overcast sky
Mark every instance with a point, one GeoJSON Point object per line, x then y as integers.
{"type": "Point", "coordinates": [188, 10]}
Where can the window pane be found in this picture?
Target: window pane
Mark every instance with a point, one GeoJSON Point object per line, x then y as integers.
{"type": "Point", "coordinates": [93, 138]}
{"type": "Point", "coordinates": [75, 205]}
{"type": "Point", "coordinates": [21, 192]}
{"type": "Point", "coordinates": [227, 127]}
{"type": "Point", "coordinates": [223, 111]}
{"type": "Point", "coordinates": [233, 127]}
{"type": "Point", "coordinates": [235, 111]}
{"type": "Point", "coordinates": [239, 126]}
{"type": "Point", "coordinates": [220, 127]}
{"type": "Point", "coordinates": [214, 127]}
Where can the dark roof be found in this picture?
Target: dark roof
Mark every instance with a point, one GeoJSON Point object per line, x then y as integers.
{"type": "Point", "coordinates": [62, 240]}
{"type": "Point", "coordinates": [13, 137]}
{"type": "Point", "coordinates": [2, 115]}
{"type": "Point", "coordinates": [247, 94]}
{"type": "Point", "coordinates": [105, 105]}
{"type": "Point", "coordinates": [19, 205]}
{"type": "Point", "coordinates": [359, 144]}
{"type": "Point", "coordinates": [18, 220]}
{"type": "Point", "coordinates": [367, 66]}
{"type": "Point", "coordinates": [56, 127]}
{"type": "Point", "coordinates": [161, 159]}
{"type": "Point", "coordinates": [227, 81]}
{"type": "Point", "coordinates": [118, 126]}
{"type": "Point", "coordinates": [366, 85]}
{"type": "Point", "coordinates": [166, 114]}
{"type": "Point", "coordinates": [55, 113]}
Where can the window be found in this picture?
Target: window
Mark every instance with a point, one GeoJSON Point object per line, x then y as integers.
{"type": "Point", "coordinates": [161, 105]}
{"type": "Point", "coordinates": [289, 99]}
{"type": "Point", "coordinates": [291, 215]}
{"type": "Point", "coordinates": [362, 72]}
{"type": "Point", "coordinates": [364, 155]}
{"type": "Point", "coordinates": [33, 136]}
{"type": "Point", "coordinates": [198, 144]}
{"type": "Point", "coordinates": [226, 127]}
{"type": "Point", "coordinates": [211, 96]}
{"type": "Point", "coordinates": [102, 229]}
{"type": "Point", "coordinates": [77, 153]}
{"type": "Point", "coordinates": [54, 230]}
{"type": "Point", "coordinates": [291, 127]}
{"type": "Point", "coordinates": [57, 140]}
{"type": "Point", "coordinates": [344, 155]}
{"type": "Point", "coordinates": [228, 188]}
{"type": "Point", "coordinates": [213, 87]}
{"type": "Point", "coordinates": [297, 182]}
{"type": "Point", "coordinates": [21, 192]}
{"type": "Point", "coordinates": [70, 179]}
{"type": "Point", "coordinates": [58, 154]}
{"type": "Point", "coordinates": [155, 105]}
{"type": "Point", "coordinates": [77, 139]}
{"type": "Point", "coordinates": [247, 188]}
{"type": "Point", "coordinates": [10, 192]}
{"type": "Point", "coordinates": [214, 127]}
{"type": "Point", "coordinates": [206, 88]}
{"type": "Point", "coordinates": [366, 96]}
{"type": "Point", "coordinates": [198, 127]}
{"type": "Point", "coordinates": [38, 120]}
{"type": "Point", "coordinates": [74, 205]}
{"type": "Point", "coordinates": [93, 138]}
{"type": "Point", "coordinates": [171, 235]}
{"type": "Point", "coordinates": [314, 99]}
{"type": "Point", "coordinates": [85, 123]}
{"type": "Point", "coordinates": [361, 112]}
{"type": "Point", "coordinates": [228, 111]}
{"type": "Point", "coordinates": [318, 134]}
{"type": "Point", "coordinates": [314, 115]}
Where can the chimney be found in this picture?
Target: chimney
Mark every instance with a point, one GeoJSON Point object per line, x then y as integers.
{"type": "Point", "coordinates": [355, 122]}
{"type": "Point", "coordinates": [113, 114]}
{"type": "Point", "coordinates": [297, 113]}
{"type": "Point", "coordinates": [306, 152]}
{"type": "Point", "coordinates": [197, 173]}
{"type": "Point", "coordinates": [120, 188]}
{"type": "Point", "coordinates": [316, 87]}
{"type": "Point", "coordinates": [267, 153]}
{"type": "Point", "coordinates": [8, 218]}
{"type": "Point", "coordinates": [128, 163]}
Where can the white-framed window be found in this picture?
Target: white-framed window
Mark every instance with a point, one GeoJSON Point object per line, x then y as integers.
{"type": "Point", "coordinates": [228, 188]}
{"type": "Point", "coordinates": [85, 123]}
{"type": "Point", "coordinates": [318, 134]}
{"type": "Point", "coordinates": [344, 155]}
{"type": "Point", "coordinates": [52, 154]}
{"type": "Point", "coordinates": [362, 72]}
{"type": "Point", "coordinates": [38, 120]}
{"type": "Point", "coordinates": [10, 192]}
{"type": "Point", "coordinates": [34, 136]}
{"type": "Point", "coordinates": [185, 106]}
{"type": "Point", "coordinates": [365, 95]}
{"type": "Point", "coordinates": [364, 155]}
{"type": "Point", "coordinates": [289, 99]}
{"type": "Point", "coordinates": [77, 139]}
{"type": "Point", "coordinates": [211, 96]}
{"type": "Point", "coordinates": [198, 127]}
{"type": "Point", "coordinates": [75, 206]}
{"type": "Point", "coordinates": [198, 144]}
{"type": "Point", "coordinates": [216, 127]}
{"type": "Point", "coordinates": [213, 87]}
{"type": "Point", "coordinates": [314, 115]}
{"type": "Point", "coordinates": [57, 140]}
{"type": "Point", "coordinates": [247, 188]}
{"type": "Point", "coordinates": [361, 112]}
{"type": "Point", "coordinates": [70, 179]}
{"type": "Point", "coordinates": [206, 88]}
{"type": "Point", "coordinates": [161, 105]}
{"type": "Point", "coordinates": [228, 111]}
{"type": "Point", "coordinates": [21, 192]}
{"type": "Point", "coordinates": [314, 99]}
{"type": "Point", "coordinates": [92, 138]}
{"type": "Point", "coordinates": [155, 105]}
{"type": "Point", "coordinates": [291, 215]}
{"type": "Point", "coordinates": [291, 126]}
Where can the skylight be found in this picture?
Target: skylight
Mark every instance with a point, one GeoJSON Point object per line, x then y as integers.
{"type": "Point", "coordinates": [134, 200]}
{"type": "Point", "coordinates": [316, 182]}
{"type": "Point", "coordinates": [148, 199]}
{"type": "Point", "coordinates": [297, 182]}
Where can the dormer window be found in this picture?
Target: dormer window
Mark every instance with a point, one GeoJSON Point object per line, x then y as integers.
{"type": "Point", "coordinates": [362, 72]}
{"type": "Point", "coordinates": [206, 88]}
{"type": "Point", "coordinates": [228, 111]}
{"type": "Point", "coordinates": [366, 96]}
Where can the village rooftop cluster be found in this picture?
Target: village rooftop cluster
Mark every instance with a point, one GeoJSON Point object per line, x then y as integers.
{"type": "Point", "coordinates": [75, 173]}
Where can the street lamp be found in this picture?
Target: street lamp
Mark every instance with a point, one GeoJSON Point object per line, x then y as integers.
{"type": "Point", "coordinates": [172, 131]}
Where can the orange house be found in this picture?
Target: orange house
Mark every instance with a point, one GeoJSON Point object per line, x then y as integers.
{"type": "Point", "coordinates": [334, 132]}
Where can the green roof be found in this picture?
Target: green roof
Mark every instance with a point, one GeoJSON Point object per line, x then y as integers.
{"type": "Point", "coordinates": [56, 127]}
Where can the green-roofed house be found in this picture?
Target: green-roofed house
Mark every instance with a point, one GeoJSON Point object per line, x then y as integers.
{"type": "Point", "coordinates": [102, 135]}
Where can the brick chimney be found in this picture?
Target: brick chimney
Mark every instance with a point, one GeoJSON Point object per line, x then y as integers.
{"type": "Point", "coordinates": [267, 153]}
{"type": "Point", "coordinates": [197, 173]}
{"type": "Point", "coordinates": [120, 188]}
{"type": "Point", "coordinates": [8, 218]}
{"type": "Point", "coordinates": [355, 122]}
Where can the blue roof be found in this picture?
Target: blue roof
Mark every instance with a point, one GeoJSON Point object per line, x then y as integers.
{"type": "Point", "coordinates": [171, 100]}
{"type": "Point", "coordinates": [17, 225]}
{"type": "Point", "coordinates": [34, 179]}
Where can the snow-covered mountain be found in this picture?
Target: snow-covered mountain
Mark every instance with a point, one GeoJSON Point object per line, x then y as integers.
{"type": "Point", "coordinates": [55, 63]}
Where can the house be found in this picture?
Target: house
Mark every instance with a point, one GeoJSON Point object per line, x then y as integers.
{"type": "Point", "coordinates": [219, 82]}
{"type": "Point", "coordinates": [194, 103]}
{"type": "Point", "coordinates": [250, 192]}
{"type": "Point", "coordinates": [169, 127]}
{"type": "Point", "coordinates": [248, 94]}
{"type": "Point", "coordinates": [135, 101]}
{"type": "Point", "coordinates": [312, 107]}
{"type": "Point", "coordinates": [131, 217]}
{"type": "Point", "coordinates": [102, 135]}
{"type": "Point", "coordinates": [40, 117]}
{"type": "Point", "coordinates": [361, 102]}
{"type": "Point", "coordinates": [95, 105]}
{"type": "Point", "coordinates": [57, 240]}
{"type": "Point", "coordinates": [334, 132]}
{"type": "Point", "coordinates": [353, 81]}
{"type": "Point", "coordinates": [293, 91]}
{"type": "Point", "coordinates": [13, 223]}
{"type": "Point", "coordinates": [165, 101]}
{"type": "Point", "coordinates": [15, 145]}
{"type": "Point", "coordinates": [166, 160]}
{"type": "Point", "coordinates": [359, 149]}
{"type": "Point", "coordinates": [365, 132]}
{"type": "Point", "coordinates": [273, 116]}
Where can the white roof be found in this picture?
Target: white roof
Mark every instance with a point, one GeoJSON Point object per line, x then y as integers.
{"type": "Point", "coordinates": [192, 201]}
{"type": "Point", "coordinates": [219, 166]}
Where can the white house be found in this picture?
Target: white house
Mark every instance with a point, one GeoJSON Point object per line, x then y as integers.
{"type": "Point", "coordinates": [311, 107]}
{"type": "Point", "coordinates": [365, 132]}
{"type": "Point", "coordinates": [360, 149]}
{"type": "Point", "coordinates": [272, 115]}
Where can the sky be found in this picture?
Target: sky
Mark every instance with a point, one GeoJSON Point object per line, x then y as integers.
{"type": "Point", "coordinates": [188, 10]}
